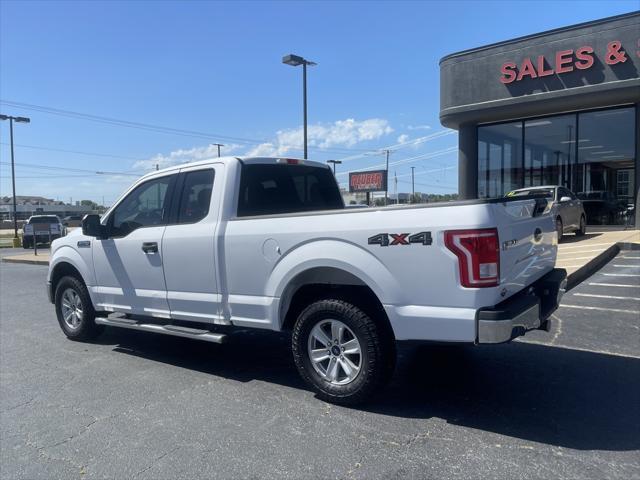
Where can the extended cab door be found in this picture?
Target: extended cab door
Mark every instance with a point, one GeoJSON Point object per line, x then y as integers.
{"type": "Point", "coordinates": [128, 264]}
{"type": "Point", "coordinates": [190, 243]}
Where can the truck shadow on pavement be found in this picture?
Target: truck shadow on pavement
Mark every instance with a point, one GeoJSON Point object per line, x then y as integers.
{"type": "Point", "coordinates": [569, 398]}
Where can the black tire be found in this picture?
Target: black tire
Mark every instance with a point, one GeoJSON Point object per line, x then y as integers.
{"type": "Point", "coordinates": [559, 228]}
{"type": "Point", "coordinates": [583, 227]}
{"type": "Point", "coordinates": [377, 359]}
{"type": "Point", "coordinates": [86, 328]}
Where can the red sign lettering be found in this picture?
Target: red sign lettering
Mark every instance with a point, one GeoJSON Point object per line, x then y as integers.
{"type": "Point", "coordinates": [564, 61]}
{"type": "Point", "coordinates": [374, 181]}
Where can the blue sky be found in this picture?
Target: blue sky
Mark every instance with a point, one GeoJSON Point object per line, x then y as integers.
{"type": "Point", "coordinates": [215, 68]}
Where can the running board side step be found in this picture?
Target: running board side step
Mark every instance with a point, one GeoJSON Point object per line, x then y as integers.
{"type": "Point", "coordinates": [175, 330]}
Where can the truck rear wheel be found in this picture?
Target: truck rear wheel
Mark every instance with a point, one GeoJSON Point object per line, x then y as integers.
{"type": "Point", "coordinates": [341, 352]}
{"type": "Point", "coordinates": [74, 310]}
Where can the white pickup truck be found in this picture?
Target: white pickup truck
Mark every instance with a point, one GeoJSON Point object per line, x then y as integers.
{"type": "Point", "coordinates": [200, 250]}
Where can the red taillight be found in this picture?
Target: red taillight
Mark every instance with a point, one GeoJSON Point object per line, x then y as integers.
{"type": "Point", "coordinates": [478, 253]}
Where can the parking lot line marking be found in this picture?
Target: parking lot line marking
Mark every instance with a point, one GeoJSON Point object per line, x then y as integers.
{"type": "Point", "coordinates": [617, 310]}
{"type": "Point", "coordinates": [595, 284]}
{"type": "Point", "coordinates": [622, 274]}
{"type": "Point", "coordinates": [562, 247]}
{"type": "Point", "coordinates": [580, 349]}
{"type": "Point", "coordinates": [605, 296]}
{"type": "Point", "coordinates": [581, 251]}
{"type": "Point", "coordinates": [625, 266]}
{"type": "Point", "coordinates": [576, 258]}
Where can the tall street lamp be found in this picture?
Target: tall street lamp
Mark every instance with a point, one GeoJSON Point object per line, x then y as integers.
{"type": "Point", "coordinates": [13, 172]}
{"type": "Point", "coordinates": [335, 162]}
{"type": "Point", "coordinates": [294, 61]}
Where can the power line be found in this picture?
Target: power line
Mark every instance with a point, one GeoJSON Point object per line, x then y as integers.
{"type": "Point", "coordinates": [154, 128]}
{"type": "Point", "coordinates": [91, 154]}
{"type": "Point", "coordinates": [424, 156]}
{"type": "Point", "coordinates": [414, 142]}
{"type": "Point", "coordinates": [67, 169]}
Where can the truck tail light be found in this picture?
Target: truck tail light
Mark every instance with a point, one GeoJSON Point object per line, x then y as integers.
{"type": "Point", "coordinates": [478, 255]}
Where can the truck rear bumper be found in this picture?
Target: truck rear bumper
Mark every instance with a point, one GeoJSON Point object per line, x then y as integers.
{"type": "Point", "coordinates": [525, 311]}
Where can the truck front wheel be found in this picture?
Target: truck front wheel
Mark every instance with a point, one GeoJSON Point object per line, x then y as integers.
{"type": "Point", "coordinates": [341, 352]}
{"type": "Point", "coordinates": [75, 311]}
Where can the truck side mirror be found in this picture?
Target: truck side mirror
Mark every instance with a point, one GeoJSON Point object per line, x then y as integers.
{"type": "Point", "coordinates": [92, 227]}
{"type": "Point", "coordinates": [565, 199]}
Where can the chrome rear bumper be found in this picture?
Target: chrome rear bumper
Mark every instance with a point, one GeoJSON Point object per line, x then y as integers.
{"type": "Point", "coordinates": [525, 311]}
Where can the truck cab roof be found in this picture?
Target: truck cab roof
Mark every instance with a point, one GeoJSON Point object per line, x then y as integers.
{"type": "Point", "coordinates": [245, 160]}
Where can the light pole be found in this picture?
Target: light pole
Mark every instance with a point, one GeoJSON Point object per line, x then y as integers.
{"type": "Point", "coordinates": [335, 162]}
{"type": "Point", "coordinates": [13, 172]}
{"type": "Point", "coordinates": [386, 191]}
{"type": "Point", "coordinates": [217, 145]}
{"type": "Point", "coordinates": [294, 61]}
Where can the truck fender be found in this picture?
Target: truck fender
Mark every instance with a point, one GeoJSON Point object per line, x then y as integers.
{"type": "Point", "coordinates": [333, 254]}
{"type": "Point", "coordinates": [66, 254]}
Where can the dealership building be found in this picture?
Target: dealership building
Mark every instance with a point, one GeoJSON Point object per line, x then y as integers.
{"type": "Point", "coordinates": [556, 108]}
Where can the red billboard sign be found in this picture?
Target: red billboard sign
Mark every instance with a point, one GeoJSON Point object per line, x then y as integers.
{"type": "Point", "coordinates": [371, 181]}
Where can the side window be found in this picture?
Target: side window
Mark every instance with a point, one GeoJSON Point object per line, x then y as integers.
{"type": "Point", "coordinates": [144, 207]}
{"type": "Point", "coordinates": [196, 196]}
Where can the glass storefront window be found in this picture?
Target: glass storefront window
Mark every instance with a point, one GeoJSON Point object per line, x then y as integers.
{"type": "Point", "coordinates": [606, 162]}
{"type": "Point", "coordinates": [590, 153]}
{"type": "Point", "coordinates": [499, 159]}
{"type": "Point", "coordinates": [549, 150]}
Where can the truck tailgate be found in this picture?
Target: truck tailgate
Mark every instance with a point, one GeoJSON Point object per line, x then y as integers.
{"type": "Point", "coordinates": [528, 243]}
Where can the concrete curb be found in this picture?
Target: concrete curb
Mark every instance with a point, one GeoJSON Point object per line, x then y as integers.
{"type": "Point", "coordinates": [592, 266]}
{"type": "Point", "coordinates": [26, 261]}
{"type": "Point", "coordinates": [629, 246]}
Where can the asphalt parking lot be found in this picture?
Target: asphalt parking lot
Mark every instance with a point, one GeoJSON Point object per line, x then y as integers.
{"type": "Point", "coordinates": [562, 404]}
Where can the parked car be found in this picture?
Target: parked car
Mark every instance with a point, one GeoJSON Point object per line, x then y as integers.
{"type": "Point", "coordinates": [566, 208]}
{"type": "Point", "coordinates": [602, 207]}
{"type": "Point", "coordinates": [72, 221]}
{"type": "Point", "coordinates": [209, 248]}
{"type": "Point", "coordinates": [41, 229]}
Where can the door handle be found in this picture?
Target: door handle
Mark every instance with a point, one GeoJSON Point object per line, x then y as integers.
{"type": "Point", "coordinates": [150, 247]}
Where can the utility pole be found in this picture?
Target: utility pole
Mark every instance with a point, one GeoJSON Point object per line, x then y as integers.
{"type": "Point", "coordinates": [386, 191]}
{"type": "Point", "coordinates": [395, 187]}
{"type": "Point", "coordinates": [338, 162]}
{"type": "Point", "coordinates": [217, 145]}
{"type": "Point", "coordinates": [413, 186]}
{"type": "Point", "coordinates": [13, 170]}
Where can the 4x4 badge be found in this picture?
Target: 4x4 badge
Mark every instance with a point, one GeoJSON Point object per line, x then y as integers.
{"type": "Point", "coordinates": [392, 239]}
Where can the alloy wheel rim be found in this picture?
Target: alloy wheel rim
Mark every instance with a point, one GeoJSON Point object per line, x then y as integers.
{"type": "Point", "coordinates": [72, 310]}
{"type": "Point", "coordinates": [335, 352]}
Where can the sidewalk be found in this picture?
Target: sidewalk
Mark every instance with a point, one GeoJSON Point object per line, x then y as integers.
{"type": "Point", "coordinates": [41, 259]}
{"type": "Point", "coordinates": [575, 252]}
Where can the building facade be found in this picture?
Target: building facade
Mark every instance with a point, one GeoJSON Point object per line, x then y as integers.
{"type": "Point", "coordinates": [556, 108]}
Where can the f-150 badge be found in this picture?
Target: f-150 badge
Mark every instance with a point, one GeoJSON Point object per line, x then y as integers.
{"type": "Point", "coordinates": [391, 239]}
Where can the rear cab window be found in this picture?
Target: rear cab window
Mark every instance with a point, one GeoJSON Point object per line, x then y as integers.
{"type": "Point", "coordinates": [271, 189]}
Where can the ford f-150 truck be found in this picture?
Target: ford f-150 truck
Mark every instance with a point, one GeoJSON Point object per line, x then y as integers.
{"type": "Point", "coordinates": [203, 249]}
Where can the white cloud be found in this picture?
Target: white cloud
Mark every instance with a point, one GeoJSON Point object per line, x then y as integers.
{"type": "Point", "coordinates": [184, 156]}
{"type": "Point", "coordinates": [403, 138]}
{"type": "Point", "coordinates": [345, 133]}
{"type": "Point", "coordinates": [341, 133]}
{"type": "Point", "coordinates": [419, 127]}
